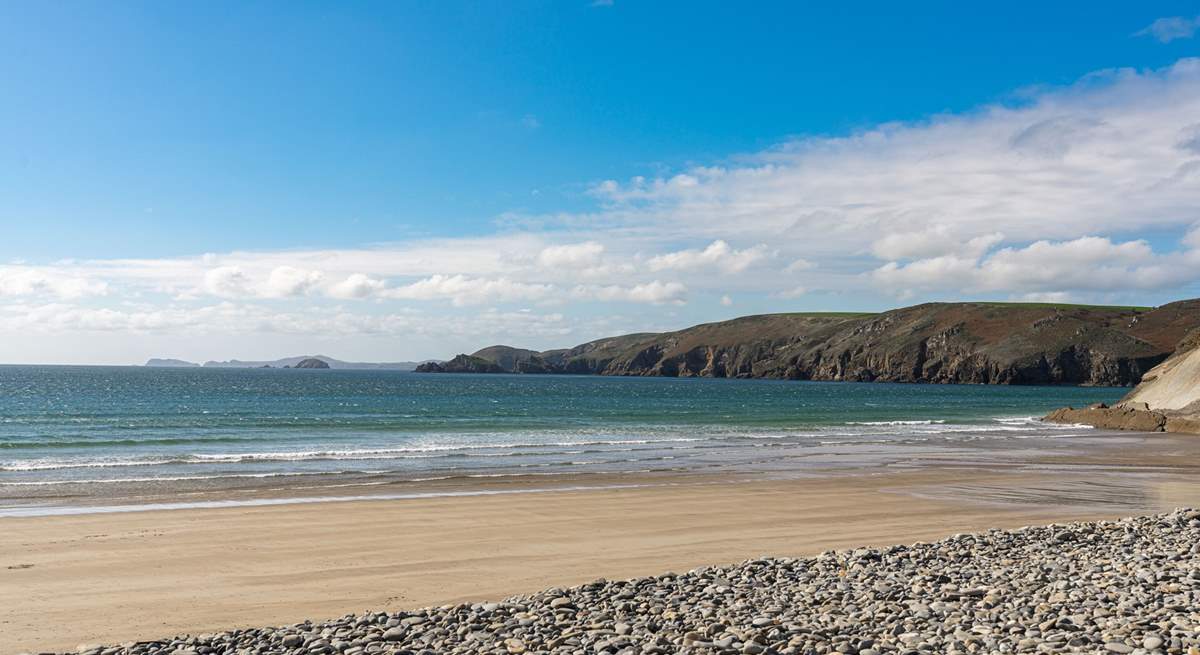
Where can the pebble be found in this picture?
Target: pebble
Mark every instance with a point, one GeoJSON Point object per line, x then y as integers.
{"type": "Point", "coordinates": [1075, 588]}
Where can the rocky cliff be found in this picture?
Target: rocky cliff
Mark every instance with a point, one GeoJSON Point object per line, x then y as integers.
{"type": "Point", "coordinates": [1167, 399]}
{"type": "Point", "coordinates": [462, 364]}
{"type": "Point", "coordinates": [983, 343]}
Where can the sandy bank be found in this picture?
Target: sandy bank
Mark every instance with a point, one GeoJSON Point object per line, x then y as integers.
{"type": "Point", "coordinates": [115, 578]}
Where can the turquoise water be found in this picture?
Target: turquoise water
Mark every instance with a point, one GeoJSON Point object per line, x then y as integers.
{"type": "Point", "coordinates": [79, 432]}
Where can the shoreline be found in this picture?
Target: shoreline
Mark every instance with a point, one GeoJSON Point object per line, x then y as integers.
{"type": "Point", "coordinates": [159, 573]}
{"type": "Point", "coordinates": [964, 593]}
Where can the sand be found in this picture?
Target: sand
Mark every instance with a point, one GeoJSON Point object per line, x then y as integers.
{"type": "Point", "coordinates": [114, 578]}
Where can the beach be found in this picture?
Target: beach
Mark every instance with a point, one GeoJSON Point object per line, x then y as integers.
{"type": "Point", "coordinates": [138, 505]}
{"type": "Point", "coordinates": [115, 578]}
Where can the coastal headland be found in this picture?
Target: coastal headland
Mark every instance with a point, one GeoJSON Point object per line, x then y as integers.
{"type": "Point", "coordinates": [965, 343]}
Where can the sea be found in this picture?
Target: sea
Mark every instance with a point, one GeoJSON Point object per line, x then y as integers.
{"type": "Point", "coordinates": [76, 439]}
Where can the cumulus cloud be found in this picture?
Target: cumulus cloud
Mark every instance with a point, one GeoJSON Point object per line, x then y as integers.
{"type": "Point", "coordinates": [279, 282]}
{"type": "Point", "coordinates": [286, 281]}
{"type": "Point", "coordinates": [1169, 29]}
{"type": "Point", "coordinates": [574, 255]}
{"type": "Point", "coordinates": [227, 281]}
{"type": "Point", "coordinates": [718, 255]}
{"type": "Point", "coordinates": [356, 285]}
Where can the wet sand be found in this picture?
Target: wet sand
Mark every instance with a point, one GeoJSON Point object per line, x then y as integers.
{"type": "Point", "coordinates": [112, 578]}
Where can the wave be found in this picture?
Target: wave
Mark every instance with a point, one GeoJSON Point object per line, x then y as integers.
{"type": "Point", "coordinates": [409, 452]}
{"type": "Point", "coordinates": [103, 443]}
{"type": "Point", "coordinates": [915, 422]}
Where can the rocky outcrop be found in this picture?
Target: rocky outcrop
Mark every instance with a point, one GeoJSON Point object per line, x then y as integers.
{"type": "Point", "coordinates": [462, 364]}
{"type": "Point", "coordinates": [1115, 418]}
{"type": "Point", "coordinates": [1167, 399]}
{"type": "Point", "coordinates": [311, 362]}
{"type": "Point", "coordinates": [968, 343]}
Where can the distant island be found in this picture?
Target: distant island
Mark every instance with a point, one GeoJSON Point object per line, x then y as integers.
{"type": "Point", "coordinates": [302, 361]}
{"type": "Point", "coordinates": [969, 342]}
{"type": "Point", "coordinates": [171, 363]}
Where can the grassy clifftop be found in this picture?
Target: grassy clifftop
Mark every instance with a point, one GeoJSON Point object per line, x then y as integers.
{"type": "Point", "coordinates": [974, 342]}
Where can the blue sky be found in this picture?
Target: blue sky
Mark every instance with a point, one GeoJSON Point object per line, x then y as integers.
{"type": "Point", "coordinates": [296, 139]}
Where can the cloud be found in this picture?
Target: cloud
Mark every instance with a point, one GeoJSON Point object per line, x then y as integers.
{"type": "Point", "coordinates": [575, 255]}
{"type": "Point", "coordinates": [718, 255]}
{"type": "Point", "coordinates": [280, 282]}
{"type": "Point", "coordinates": [655, 292]}
{"type": "Point", "coordinates": [799, 266]}
{"type": "Point", "coordinates": [1086, 263]}
{"type": "Point", "coordinates": [41, 281]}
{"type": "Point", "coordinates": [462, 290]}
{"type": "Point", "coordinates": [1169, 29]}
{"type": "Point", "coordinates": [726, 301]}
{"type": "Point", "coordinates": [227, 281]}
{"type": "Point", "coordinates": [530, 122]}
{"type": "Point", "coordinates": [356, 285]}
{"type": "Point", "coordinates": [230, 318]}
{"type": "Point", "coordinates": [287, 281]}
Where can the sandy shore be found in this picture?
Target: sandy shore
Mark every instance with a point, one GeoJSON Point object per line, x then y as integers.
{"type": "Point", "coordinates": [114, 578]}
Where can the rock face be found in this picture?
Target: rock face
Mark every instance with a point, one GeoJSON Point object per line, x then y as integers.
{"type": "Point", "coordinates": [1174, 384]}
{"type": "Point", "coordinates": [462, 364]}
{"type": "Point", "coordinates": [1167, 400]}
{"type": "Point", "coordinates": [976, 343]}
{"type": "Point", "coordinates": [311, 362]}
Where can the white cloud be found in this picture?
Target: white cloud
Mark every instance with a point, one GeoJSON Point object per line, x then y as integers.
{"type": "Point", "coordinates": [574, 255]}
{"type": "Point", "coordinates": [229, 318]}
{"type": "Point", "coordinates": [286, 281]}
{"type": "Point", "coordinates": [280, 282]}
{"type": "Point", "coordinates": [1087, 263]}
{"type": "Point", "coordinates": [530, 122]}
{"type": "Point", "coordinates": [462, 290]}
{"type": "Point", "coordinates": [656, 292]}
{"type": "Point", "coordinates": [356, 285]}
{"type": "Point", "coordinates": [726, 301]}
{"type": "Point", "coordinates": [42, 281]}
{"type": "Point", "coordinates": [1169, 29]}
{"type": "Point", "coordinates": [718, 255]}
{"type": "Point", "coordinates": [228, 282]}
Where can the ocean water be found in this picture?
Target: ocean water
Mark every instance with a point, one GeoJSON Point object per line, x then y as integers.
{"type": "Point", "coordinates": [80, 436]}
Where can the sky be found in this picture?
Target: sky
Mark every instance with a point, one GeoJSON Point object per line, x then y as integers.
{"type": "Point", "coordinates": [400, 181]}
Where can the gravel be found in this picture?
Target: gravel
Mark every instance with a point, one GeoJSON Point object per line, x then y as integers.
{"type": "Point", "coordinates": [1126, 586]}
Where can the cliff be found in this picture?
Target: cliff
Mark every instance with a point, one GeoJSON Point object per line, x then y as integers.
{"type": "Point", "coordinates": [462, 364]}
{"type": "Point", "coordinates": [1167, 399]}
{"type": "Point", "coordinates": [982, 343]}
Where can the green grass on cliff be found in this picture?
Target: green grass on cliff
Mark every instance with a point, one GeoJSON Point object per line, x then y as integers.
{"type": "Point", "coordinates": [1063, 305]}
